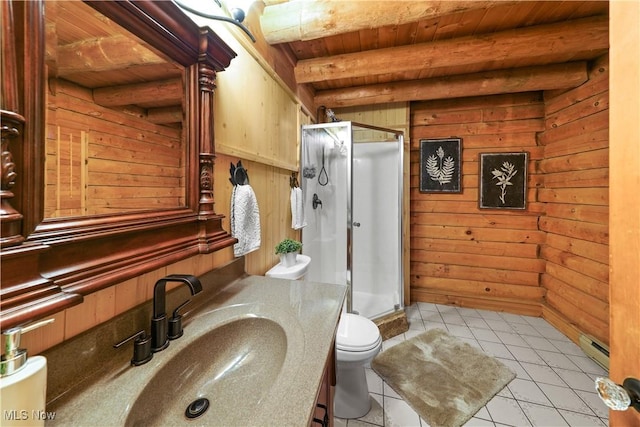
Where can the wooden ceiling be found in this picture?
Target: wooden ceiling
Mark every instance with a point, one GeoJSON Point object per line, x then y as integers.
{"type": "Point", "coordinates": [365, 52]}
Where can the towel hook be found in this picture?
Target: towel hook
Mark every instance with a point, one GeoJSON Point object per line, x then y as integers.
{"type": "Point", "coordinates": [293, 180]}
{"type": "Point", "coordinates": [239, 175]}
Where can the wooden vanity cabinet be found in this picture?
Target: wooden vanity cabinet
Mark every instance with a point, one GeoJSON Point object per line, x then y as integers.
{"type": "Point", "coordinates": [50, 263]}
{"type": "Point", "coordinates": [324, 401]}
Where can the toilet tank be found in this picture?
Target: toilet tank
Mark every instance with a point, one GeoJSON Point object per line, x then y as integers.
{"type": "Point", "coordinates": [295, 272]}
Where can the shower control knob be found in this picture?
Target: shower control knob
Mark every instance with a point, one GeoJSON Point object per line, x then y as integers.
{"type": "Point", "coordinates": [356, 224]}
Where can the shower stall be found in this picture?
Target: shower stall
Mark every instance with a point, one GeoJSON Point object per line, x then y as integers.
{"type": "Point", "coordinates": [352, 186]}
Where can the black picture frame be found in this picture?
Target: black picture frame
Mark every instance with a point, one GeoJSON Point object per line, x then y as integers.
{"type": "Point", "coordinates": [503, 180]}
{"type": "Point", "coordinates": [441, 165]}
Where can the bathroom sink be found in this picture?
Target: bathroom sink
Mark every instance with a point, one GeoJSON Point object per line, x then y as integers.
{"type": "Point", "coordinates": [256, 350]}
{"type": "Point", "coordinates": [236, 362]}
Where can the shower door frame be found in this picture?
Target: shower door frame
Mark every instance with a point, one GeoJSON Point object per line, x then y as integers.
{"type": "Point", "coordinates": [399, 136]}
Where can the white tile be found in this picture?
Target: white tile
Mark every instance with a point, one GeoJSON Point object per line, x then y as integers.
{"type": "Point", "coordinates": [416, 324]}
{"type": "Point", "coordinates": [525, 329]}
{"type": "Point", "coordinates": [413, 333]}
{"type": "Point", "coordinates": [512, 339]}
{"type": "Point", "coordinates": [525, 354]}
{"type": "Point", "coordinates": [587, 365]}
{"type": "Point", "coordinates": [567, 347]}
{"type": "Point", "coordinates": [557, 360]}
{"type": "Point", "coordinates": [499, 325]}
{"type": "Point", "coordinates": [541, 415]}
{"type": "Point", "coordinates": [507, 411]}
{"type": "Point", "coordinates": [496, 349]}
{"type": "Point", "coordinates": [468, 312]}
{"type": "Point", "coordinates": [374, 382]}
{"type": "Point", "coordinates": [453, 318]}
{"type": "Point", "coordinates": [595, 403]}
{"type": "Point", "coordinates": [428, 325]}
{"type": "Point", "coordinates": [476, 322]}
{"type": "Point", "coordinates": [479, 422]}
{"type": "Point", "coordinates": [542, 374]}
{"type": "Point", "coordinates": [389, 391]}
{"type": "Point", "coordinates": [537, 322]}
{"type": "Point", "coordinates": [528, 391]}
{"type": "Point", "coordinates": [376, 414]}
{"type": "Point", "coordinates": [446, 309]}
{"type": "Point", "coordinates": [398, 413]}
{"type": "Point", "coordinates": [427, 306]}
{"type": "Point", "coordinates": [505, 392]}
{"type": "Point", "coordinates": [460, 331]}
{"type": "Point", "coordinates": [577, 380]}
{"type": "Point", "coordinates": [565, 398]}
{"type": "Point", "coordinates": [513, 318]}
{"type": "Point", "coordinates": [576, 419]}
{"type": "Point", "coordinates": [387, 344]}
{"type": "Point", "coordinates": [539, 343]}
{"type": "Point", "coordinates": [489, 315]}
{"type": "Point", "coordinates": [551, 333]}
{"type": "Point", "coordinates": [515, 366]}
{"type": "Point", "coordinates": [485, 334]}
{"type": "Point", "coordinates": [432, 316]}
{"type": "Point", "coordinates": [482, 414]}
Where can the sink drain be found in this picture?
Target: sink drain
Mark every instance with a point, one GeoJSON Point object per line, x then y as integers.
{"type": "Point", "coordinates": [197, 407]}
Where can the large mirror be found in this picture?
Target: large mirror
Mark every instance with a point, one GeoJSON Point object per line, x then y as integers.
{"type": "Point", "coordinates": [115, 139]}
{"type": "Point", "coordinates": [108, 147]}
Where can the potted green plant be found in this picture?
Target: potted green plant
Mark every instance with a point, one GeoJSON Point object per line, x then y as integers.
{"type": "Point", "coordinates": [288, 249]}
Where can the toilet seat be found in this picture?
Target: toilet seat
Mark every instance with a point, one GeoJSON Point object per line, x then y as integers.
{"type": "Point", "coordinates": [357, 333]}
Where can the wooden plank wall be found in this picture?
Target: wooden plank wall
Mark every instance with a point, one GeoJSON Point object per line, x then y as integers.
{"type": "Point", "coordinates": [100, 160]}
{"type": "Point", "coordinates": [463, 255]}
{"type": "Point", "coordinates": [576, 193]}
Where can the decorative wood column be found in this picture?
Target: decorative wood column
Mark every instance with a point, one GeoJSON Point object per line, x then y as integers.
{"type": "Point", "coordinates": [213, 56]}
{"type": "Point", "coordinates": [207, 85]}
{"type": "Point", "coordinates": [12, 124]}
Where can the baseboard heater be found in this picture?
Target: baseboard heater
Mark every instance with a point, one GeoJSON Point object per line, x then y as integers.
{"type": "Point", "coordinates": [596, 350]}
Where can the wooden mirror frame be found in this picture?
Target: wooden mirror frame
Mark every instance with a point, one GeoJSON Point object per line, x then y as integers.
{"type": "Point", "coordinates": [49, 265]}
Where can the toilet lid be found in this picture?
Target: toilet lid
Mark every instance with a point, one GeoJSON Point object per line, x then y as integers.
{"type": "Point", "coordinates": [356, 333]}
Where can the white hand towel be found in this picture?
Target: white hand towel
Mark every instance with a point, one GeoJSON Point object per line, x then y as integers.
{"type": "Point", "coordinates": [297, 209]}
{"type": "Point", "coordinates": [245, 220]}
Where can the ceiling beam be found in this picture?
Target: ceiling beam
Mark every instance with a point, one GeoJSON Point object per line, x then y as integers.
{"type": "Point", "coordinates": [526, 79]}
{"type": "Point", "coordinates": [308, 20]}
{"type": "Point", "coordinates": [103, 54]}
{"type": "Point", "coordinates": [570, 38]}
{"type": "Point", "coordinates": [161, 91]}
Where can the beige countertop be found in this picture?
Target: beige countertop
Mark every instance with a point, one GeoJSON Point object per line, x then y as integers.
{"type": "Point", "coordinates": [306, 313]}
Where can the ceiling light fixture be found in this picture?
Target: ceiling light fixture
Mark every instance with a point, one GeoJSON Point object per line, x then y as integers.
{"type": "Point", "coordinates": [237, 16]}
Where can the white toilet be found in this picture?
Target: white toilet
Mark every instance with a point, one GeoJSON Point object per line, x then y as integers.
{"type": "Point", "coordinates": [358, 340]}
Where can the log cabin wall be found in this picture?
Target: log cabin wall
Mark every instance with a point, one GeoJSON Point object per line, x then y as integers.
{"type": "Point", "coordinates": [576, 197]}
{"type": "Point", "coordinates": [550, 260]}
{"type": "Point", "coordinates": [463, 255]}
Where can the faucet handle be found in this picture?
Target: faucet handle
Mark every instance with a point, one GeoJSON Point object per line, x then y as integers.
{"type": "Point", "coordinates": [141, 347]}
{"type": "Point", "coordinates": [175, 323]}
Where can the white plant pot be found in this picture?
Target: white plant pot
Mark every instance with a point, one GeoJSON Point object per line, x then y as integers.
{"type": "Point", "coordinates": [288, 259]}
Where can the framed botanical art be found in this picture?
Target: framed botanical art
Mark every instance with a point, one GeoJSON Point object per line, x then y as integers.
{"type": "Point", "coordinates": [440, 165]}
{"type": "Point", "coordinates": [503, 180]}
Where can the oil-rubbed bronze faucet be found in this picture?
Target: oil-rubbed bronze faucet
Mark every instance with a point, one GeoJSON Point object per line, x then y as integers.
{"type": "Point", "coordinates": [159, 322]}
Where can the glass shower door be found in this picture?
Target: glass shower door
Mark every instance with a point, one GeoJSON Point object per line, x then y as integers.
{"type": "Point", "coordinates": [352, 185]}
{"type": "Point", "coordinates": [376, 222]}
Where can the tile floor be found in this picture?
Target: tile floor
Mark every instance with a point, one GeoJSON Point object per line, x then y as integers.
{"type": "Point", "coordinates": [554, 384]}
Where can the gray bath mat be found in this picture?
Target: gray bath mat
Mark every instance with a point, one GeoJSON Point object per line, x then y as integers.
{"type": "Point", "coordinates": [444, 379]}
